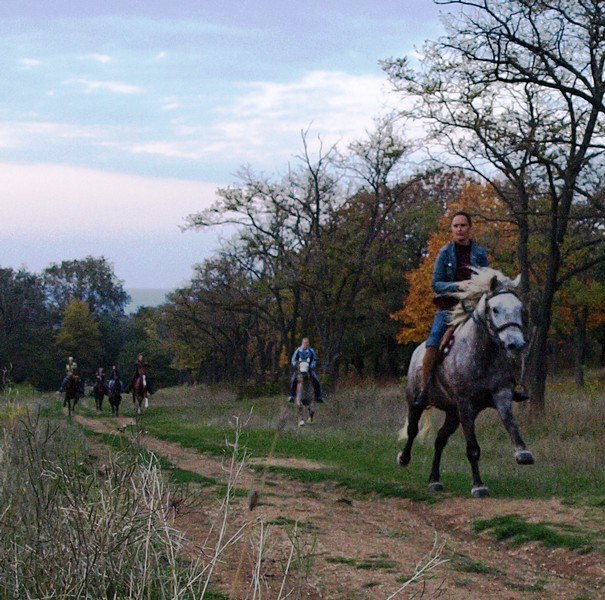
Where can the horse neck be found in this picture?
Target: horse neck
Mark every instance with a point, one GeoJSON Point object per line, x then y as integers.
{"type": "Point", "coordinates": [479, 340]}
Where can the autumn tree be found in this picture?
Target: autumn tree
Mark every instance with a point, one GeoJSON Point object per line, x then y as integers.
{"type": "Point", "coordinates": [499, 237]}
{"type": "Point", "coordinates": [79, 336]}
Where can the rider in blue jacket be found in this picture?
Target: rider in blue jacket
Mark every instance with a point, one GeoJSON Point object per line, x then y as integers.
{"type": "Point", "coordinates": [451, 274]}
{"type": "Point", "coordinates": [305, 352]}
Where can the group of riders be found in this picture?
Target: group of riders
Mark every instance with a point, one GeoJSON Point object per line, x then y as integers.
{"type": "Point", "coordinates": [101, 383]}
{"type": "Point", "coordinates": [451, 274]}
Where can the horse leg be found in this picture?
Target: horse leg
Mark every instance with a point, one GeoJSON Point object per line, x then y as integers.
{"type": "Point", "coordinates": [414, 413]}
{"type": "Point", "coordinates": [449, 427]}
{"type": "Point", "coordinates": [311, 410]}
{"type": "Point", "coordinates": [504, 405]}
{"type": "Point", "coordinates": [473, 451]}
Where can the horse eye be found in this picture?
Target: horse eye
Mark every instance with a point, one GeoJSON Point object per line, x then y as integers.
{"type": "Point", "coordinates": [495, 311]}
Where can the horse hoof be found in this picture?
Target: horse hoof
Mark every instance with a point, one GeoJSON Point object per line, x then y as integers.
{"type": "Point", "coordinates": [435, 486]}
{"type": "Point", "coordinates": [524, 457]}
{"type": "Point", "coordinates": [480, 492]}
{"type": "Point", "coordinates": [402, 461]}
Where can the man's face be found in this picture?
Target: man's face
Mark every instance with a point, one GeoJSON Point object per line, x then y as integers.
{"type": "Point", "coordinates": [461, 230]}
{"type": "Point", "coordinates": [305, 343]}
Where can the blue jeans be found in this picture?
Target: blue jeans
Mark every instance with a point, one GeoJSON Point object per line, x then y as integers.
{"type": "Point", "coordinates": [438, 329]}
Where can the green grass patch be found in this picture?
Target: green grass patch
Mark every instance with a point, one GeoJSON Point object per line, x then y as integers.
{"type": "Point", "coordinates": [376, 563]}
{"type": "Point", "coordinates": [341, 560]}
{"type": "Point", "coordinates": [517, 530]}
{"type": "Point", "coordinates": [465, 564]}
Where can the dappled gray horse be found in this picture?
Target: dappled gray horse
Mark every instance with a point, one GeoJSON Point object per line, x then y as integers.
{"type": "Point", "coordinates": [476, 373]}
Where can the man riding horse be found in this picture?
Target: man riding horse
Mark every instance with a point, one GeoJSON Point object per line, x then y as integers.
{"type": "Point", "coordinates": [141, 368]}
{"type": "Point", "coordinates": [305, 353]}
{"type": "Point", "coordinates": [71, 370]}
{"type": "Point", "coordinates": [451, 274]}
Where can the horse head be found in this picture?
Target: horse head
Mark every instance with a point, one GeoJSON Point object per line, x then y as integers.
{"type": "Point", "coordinates": [501, 311]}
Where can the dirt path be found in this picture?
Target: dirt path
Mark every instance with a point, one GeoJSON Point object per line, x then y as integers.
{"type": "Point", "coordinates": [352, 548]}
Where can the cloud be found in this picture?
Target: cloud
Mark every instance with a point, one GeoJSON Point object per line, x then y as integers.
{"type": "Point", "coordinates": [104, 59]}
{"type": "Point", "coordinates": [29, 63]}
{"type": "Point", "coordinates": [44, 199]}
{"type": "Point", "coordinates": [264, 119]}
{"type": "Point", "coordinates": [115, 87]}
{"type": "Point", "coordinates": [160, 55]}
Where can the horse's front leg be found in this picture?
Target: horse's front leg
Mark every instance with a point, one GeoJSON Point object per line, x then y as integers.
{"type": "Point", "coordinates": [473, 452]}
{"type": "Point", "coordinates": [414, 414]}
{"type": "Point", "coordinates": [503, 399]}
{"type": "Point", "coordinates": [449, 427]}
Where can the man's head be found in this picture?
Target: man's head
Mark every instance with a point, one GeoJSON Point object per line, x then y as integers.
{"type": "Point", "coordinates": [305, 343]}
{"type": "Point", "coordinates": [461, 227]}
{"type": "Point", "coordinates": [70, 359]}
{"type": "Point", "coordinates": [140, 357]}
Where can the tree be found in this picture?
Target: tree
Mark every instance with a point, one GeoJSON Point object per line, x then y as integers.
{"type": "Point", "coordinates": [89, 280]}
{"type": "Point", "coordinates": [79, 336]}
{"type": "Point", "coordinates": [481, 202]}
{"type": "Point", "coordinates": [514, 92]}
{"type": "Point", "coordinates": [25, 327]}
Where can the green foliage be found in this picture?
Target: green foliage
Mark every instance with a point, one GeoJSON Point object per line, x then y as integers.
{"type": "Point", "coordinates": [79, 336]}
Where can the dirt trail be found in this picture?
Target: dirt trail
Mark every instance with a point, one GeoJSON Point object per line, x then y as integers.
{"type": "Point", "coordinates": [365, 548]}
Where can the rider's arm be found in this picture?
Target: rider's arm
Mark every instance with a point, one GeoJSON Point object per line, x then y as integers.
{"type": "Point", "coordinates": [294, 358]}
{"type": "Point", "coordinates": [313, 362]}
{"type": "Point", "coordinates": [442, 280]}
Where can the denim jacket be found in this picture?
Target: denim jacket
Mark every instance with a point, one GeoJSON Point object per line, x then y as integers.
{"type": "Point", "coordinates": [444, 272]}
{"type": "Point", "coordinates": [308, 354]}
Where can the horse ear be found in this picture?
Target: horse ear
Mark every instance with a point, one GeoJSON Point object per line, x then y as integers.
{"type": "Point", "coordinates": [493, 284]}
{"type": "Point", "coordinates": [517, 281]}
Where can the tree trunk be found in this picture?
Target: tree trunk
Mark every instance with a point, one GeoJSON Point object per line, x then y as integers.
{"type": "Point", "coordinates": [580, 321]}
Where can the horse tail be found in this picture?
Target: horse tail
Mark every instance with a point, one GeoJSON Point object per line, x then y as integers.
{"type": "Point", "coordinates": [425, 427]}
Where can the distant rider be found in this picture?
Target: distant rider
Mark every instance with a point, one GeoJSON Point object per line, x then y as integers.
{"type": "Point", "coordinates": [141, 367]}
{"type": "Point", "coordinates": [305, 353]}
{"type": "Point", "coordinates": [71, 368]}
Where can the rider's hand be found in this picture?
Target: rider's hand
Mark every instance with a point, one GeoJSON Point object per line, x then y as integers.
{"type": "Point", "coordinates": [464, 285]}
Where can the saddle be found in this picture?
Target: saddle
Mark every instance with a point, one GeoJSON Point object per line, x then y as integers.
{"type": "Point", "coordinates": [447, 342]}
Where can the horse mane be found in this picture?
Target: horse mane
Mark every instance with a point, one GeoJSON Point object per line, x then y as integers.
{"type": "Point", "coordinates": [480, 284]}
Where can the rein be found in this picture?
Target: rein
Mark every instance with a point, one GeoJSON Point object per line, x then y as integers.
{"type": "Point", "coordinates": [487, 322]}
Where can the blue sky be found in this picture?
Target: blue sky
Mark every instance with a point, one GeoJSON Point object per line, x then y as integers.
{"type": "Point", "coordinates": [117, 119]}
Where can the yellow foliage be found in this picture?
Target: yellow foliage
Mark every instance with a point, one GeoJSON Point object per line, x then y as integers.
{"type": "Point", "coordinates": [284, 359]}
{"type": "Point", "coordinates": [418, 309]}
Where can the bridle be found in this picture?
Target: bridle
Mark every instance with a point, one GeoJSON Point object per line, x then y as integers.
{"type": "Point", "coordinates": [488, 322]}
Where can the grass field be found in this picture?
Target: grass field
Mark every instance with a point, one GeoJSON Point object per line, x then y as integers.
{"type": "Point", "coordinates": [355, 437]}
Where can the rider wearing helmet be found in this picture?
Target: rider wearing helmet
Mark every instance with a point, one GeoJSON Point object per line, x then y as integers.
{"type": "Point", "coordinates": [71, 368]}
{"type": "Point", "coordinates": [305, 353]}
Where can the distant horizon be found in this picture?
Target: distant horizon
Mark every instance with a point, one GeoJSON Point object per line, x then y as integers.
{"type": "Point", "coordinates": [145, 297]}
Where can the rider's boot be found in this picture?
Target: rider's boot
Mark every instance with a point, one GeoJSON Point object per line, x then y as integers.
{"type": "Point", "coordinates": [428, 364]}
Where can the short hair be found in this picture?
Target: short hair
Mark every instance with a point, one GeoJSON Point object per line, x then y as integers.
{"type": "Point", "coordinates": [305, 338]}
{"type": "Point", "coordinates": [463, 213]}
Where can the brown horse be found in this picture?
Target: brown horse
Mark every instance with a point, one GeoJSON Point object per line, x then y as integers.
{"type": "Point", "coordinates": [72, 393]}
{"type": "Point", "coordinates": [139, 392]}
{"type": "Point", "coordinates": [100, 391]}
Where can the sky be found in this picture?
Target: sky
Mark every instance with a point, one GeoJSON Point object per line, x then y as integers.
{"type": "Point", "coordinates": [120, 118]}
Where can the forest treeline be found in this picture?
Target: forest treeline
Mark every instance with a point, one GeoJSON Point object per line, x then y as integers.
{"type": "Point", "coordinates": [339, 247]}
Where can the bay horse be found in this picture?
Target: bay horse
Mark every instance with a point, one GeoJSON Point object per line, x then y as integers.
{"type": "Point", "coordinates": [476, 374]}
{"type": "Point", "coordinates": [72, 392]}
{"type": "Point", "coordinates": [115, 396]}
{"type": "Point", "coordinates": [100, 391]}
{"type": "Point", "coordinates": [305, 393]}
{"type": "Point", "coordinates": [139, 392]}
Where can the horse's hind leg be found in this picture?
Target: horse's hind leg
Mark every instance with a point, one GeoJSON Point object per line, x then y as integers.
{"type": "Point", "coordinates": [473, 451]}
{"type": "Point", "coordinates": [414, 413]}
{"type": "Point", "coordinates": [504, 406]}
{"type": "Point", "coordinates": [449, 427]}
